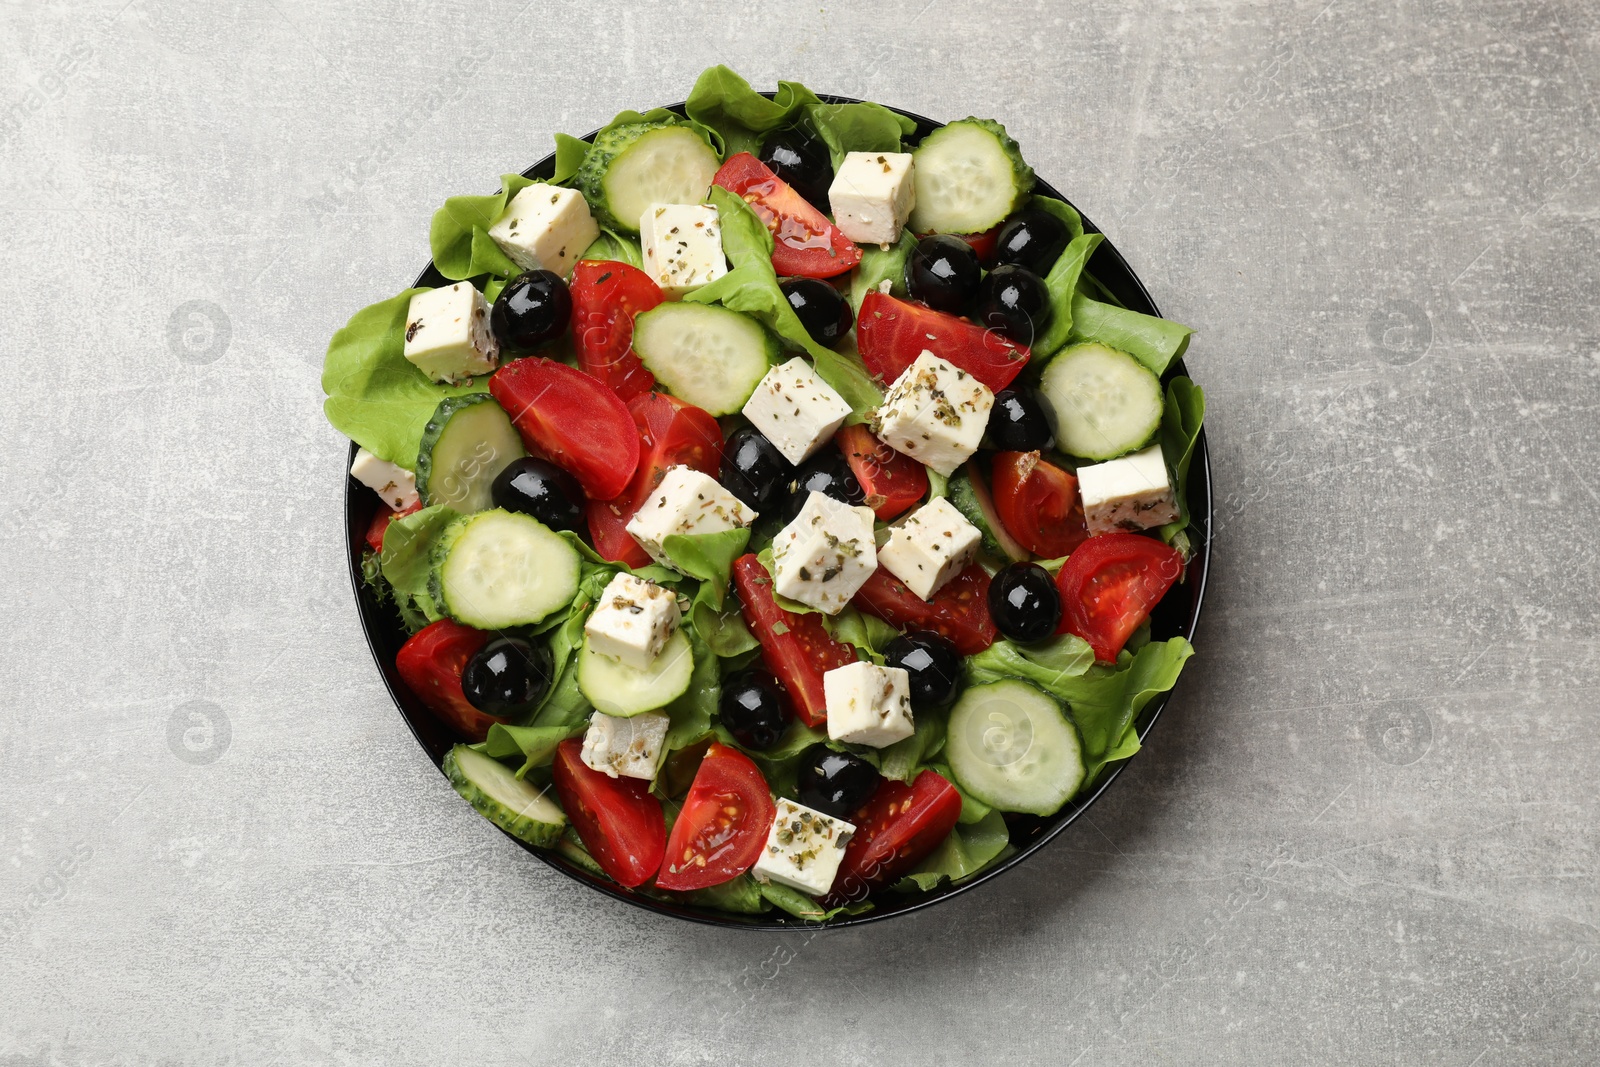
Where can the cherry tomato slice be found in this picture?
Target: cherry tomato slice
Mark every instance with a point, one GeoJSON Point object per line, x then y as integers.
{"type": "Point", "coordinates": [617, 819]}
{"type": "Point", "coordinates": [431, 662]}
{"type": "Point", "coordinates": [804, 243]}
{"type": "Point", "coordinates": [891, 333]}
{"type": "Point", "coordinates": [1038, 503]}
{"type": "Point", "coordinates": [380, 524]}
{"type": "Point", "coordinates": [896, 830]}
{"type": "Point", "coordinates": [572, 420]}
{"type": "Point", "coordinates": [959, 609]}
{"type": "Point", "coordinates": [892, 481]}
{"type": "Point", "coordinates": [1109, 585]}
{"type": "Point", "coordinates": [723, 825]}
{"type": "Point", "coordinates": [796, 648]}
{"type": "Point", "coordinates": [606, 297]}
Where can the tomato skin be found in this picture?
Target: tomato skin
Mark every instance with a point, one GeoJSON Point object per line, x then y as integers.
{"type": "Point", "coordinates": [380, 524]}
{"type": "Point", "coordinates": [985, 244]}
{"type": "Point", "coordinates": [606, 297]}
{"type": "Point", "coordinates": [618, 821]}
{"type": "Point", "coordinates": [709, 846]}
{"type": "Point", "coordinates": [959, 609]}
{"type": "Point", "coordinates": [891, 480]}
{"type": "Point", "coordinates": [572, 420]}
{"type": "Point", "coordinates": [891, 333]}
{"type": "Point", "coordinates": [802, 653]}
{"type": "Point", "coordinates": [1039, 503]}
{"type": "Point", "coordinates": [1109, 585]}
{"type": "Point", "coordinates": [804, 243]}
{"type": "Point", "coordinates": [431, 662]}
{"type": "Point", "coordinates": [895, 830]}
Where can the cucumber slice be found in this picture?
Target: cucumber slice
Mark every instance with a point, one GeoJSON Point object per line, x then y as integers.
{"type": "Point", "coordinates": [1010, 746]}
{"type": "Point", "coordinates": [468, 441]}
{"type": "Point", "coordinates": [638, 164]}
{"type": "Point", "coordinates": [969, 176]}
{"type": "Point", "coordinates": [497, 569]}
{"type": "Point", "coordinates": [1101, 403]}
{"type": "Point", "coordinates": [618, 689]}
{"type": "Point", "coordinates": [511, 803]}
{"type": "Point", "coordinates": [971, 497]}
{"type": "Point", "coordinates": [706, 355]}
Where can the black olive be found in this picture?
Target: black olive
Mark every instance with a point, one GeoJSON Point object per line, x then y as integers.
{"type": "Point", "coordinates": [753, 709]}
{"type": "Point", "coordinates": [835, 783]}
{"type": "Point", "coordinates": [821, 309]}
{"type": "Point", "coordinates": [934, 665]}
{"type": "Point", "coordinates": [507, 676]}
{"type": "Point", "coordinates": [533, 309]}
{"type": "Point", "coordinates": [754, 470]}
{"type": "Point", "coordinates": [1014, 301]}
{"type": "Point", "coordinates": [543, 490]}
{"type": "Point", "coordinates": [801, 158]}
{"type": "Point", "coordinates": [1033, 239]}
{"type": "Point", "coordinates": [1017, 422]}
{"type": "Point", "coordinates": [943, 272]}
{"type": "Point", "coordinates": [1024, 602]}
{"type": "Point", "coordinates": [827, 472]}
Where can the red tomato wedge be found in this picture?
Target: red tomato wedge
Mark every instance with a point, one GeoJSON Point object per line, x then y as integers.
{"type": "Point", "coordinates": [606, 297]}
{"type": "Point", "coordinates": [891, 333]}
{"type": "Point", "coordinates": [572, 420]}
{"type": "Point", "coordinates": [959, 609]}
{"type": "Point", "coordinates": [796, 648]}
{"type": "Point", "coordinates": [380, 524]}
{"type": "Point", "coordinates": [1039, 504]}
{"type": "Point", "coordinates": [896, 830]}
{"type": "Point", "coordinates": [985, 244]}
{"type": "Point", "coordinates": [1109, 585]}
{"type": "Point", "coordinates": [723, 825]}
{"type": "Point", "coordinates": [671, 434]}
{"type": "Point", "coordinates": [804, 243]}
{"type": "Point", "coordinates": [617, 819]}
{"type": "Point", "coordinates": [430, 664]}
{"type": "Point", "coordinates": [891, 480]}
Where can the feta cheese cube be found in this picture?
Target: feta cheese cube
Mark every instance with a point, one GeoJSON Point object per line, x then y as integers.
{"type": "Point", "coordinates": [1129, 493]}
{"type": "Point", "coordinates": [803, 849]}
{"type": "Point", "coordinates": [934, 413]}
{"type": "Point", "coordinates": [394, 483]}
{"type": "Point", "coordinates": [545, 227]}
{"type": "Point", "coordinates": [686, 502]}
{"type": "Point", "coordinates": [682, 247]}
{"type": "Point", "coordinates": [447, 334]}
{"type": "Point", "coordinates": [868, 704]}
{"type": "Point", "coordinates": [872, 196]}
{"type": "Point", "coordinates": [825, 554]}
{"type": "Point", "coordinates": [796, 410]}
{"type": "Point", "coordinates": [626, 748]}
{"type": "Point", "coordinates": [930, 547]}
{"type": "Point", "coordinates": [632, 621]}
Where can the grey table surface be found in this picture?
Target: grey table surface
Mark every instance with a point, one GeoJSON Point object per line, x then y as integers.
{"type": "Point", "coordinates": [1364, 832]}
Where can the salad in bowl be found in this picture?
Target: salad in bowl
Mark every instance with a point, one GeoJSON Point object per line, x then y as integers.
{"type": "Point", "coordinates": [769, 504]}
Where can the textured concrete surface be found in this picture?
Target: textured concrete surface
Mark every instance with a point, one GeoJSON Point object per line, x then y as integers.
{"type": "Point", "coordinates": [1363, 833]}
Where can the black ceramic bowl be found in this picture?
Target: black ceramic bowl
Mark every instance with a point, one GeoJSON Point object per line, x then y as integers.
{"type": "Point", "coordinates": [1177, 614]}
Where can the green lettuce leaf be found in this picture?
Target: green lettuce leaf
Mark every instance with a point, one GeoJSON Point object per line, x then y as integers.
{"type": "Point", "coordinates": [565, 706]}
{"type": "Point", "coordinates": [969, 849]}
{"type": "Point", "coordinates": [1185, 410]}
{"type": "Point", "coordinates": [708, 557]}
{"type": "Point", "coordinates": [867, 632]}
{"type": "Point", "coordinates": [406, 559]}
{"type": "Point", "coordinates": [459, 235]}
{"type": "Point", "coordinates": [535, 744]}
{"type": "Point", "coordinates": [1061, 210]}
{"type": "Point", "coordinates": [615, 247]}
{"type": "Point", "coordinates": [801, 906]}
{"type": "Point", "coordinates": [1062, 284]}
{"type": "Point", "coordinates": [879, 265]}
{"type": "Point", "coordinates": [724, 101]}
{"type": "Point", "coordinates": [691, 713]}
{"type": "Point", "coordinates": [904, 759]}
{"type": "Point", "coordinates": [972, 809]}
{"type": "Point", "coordinates": [375, 396]}
{"type": "Point", "coordinates": [741, 895]}
{"type": "Point", "coordinates": [570, 153]}
{"type": "Point", "coordinates": [1063, 656]}
{"type": "Point", "coordinates": [1154, 342]}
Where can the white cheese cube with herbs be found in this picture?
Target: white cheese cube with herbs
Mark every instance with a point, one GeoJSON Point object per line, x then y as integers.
{"type": "Point", "coordinates": [872, 196]}
{"type": "Point", "coordinates": [625, 748]}
{"type": "Point", "coordinates": [396, 485]}
{"type": "Point", "coordinates": [632, 621]}
{"type": "Point", "coordinates": [796, 410]}
{"type": "Point", "coordinates": [686, 501]}
{"type": "Point", "coordinates": [825, 555]}
{"type": "Point", "coordinates": [868, 704]}
{"type": "Point", "coordinates": [1130, 493]}
{"type": "Point", "coordinates": [682, 247]}
{"type": "Point", "coordinates": [935, 413]}
{"type": "Point", "coordinates": [930, 547]}
{"type": "Point", "coordinates": [448, 336]}
{"type": "Point", "coordinates": [803, 849]}
{"type": "Point", "coordinates": [545, 227]}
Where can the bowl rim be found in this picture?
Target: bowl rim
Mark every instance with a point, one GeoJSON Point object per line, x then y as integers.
{"type": "Point", "coordinates": [376, 618]}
